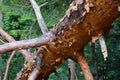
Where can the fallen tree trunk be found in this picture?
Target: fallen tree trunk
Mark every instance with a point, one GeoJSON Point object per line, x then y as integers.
{"type": "Point", "coordinates": [83, 22]}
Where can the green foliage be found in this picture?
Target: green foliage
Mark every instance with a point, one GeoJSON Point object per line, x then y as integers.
{"type": "Point", "coordinates": [15, 65]}
{"type": "Point", "coordinates": [113, 42]}
{"type": "Point", "coordinates": [62, 71]}
{"type": "Point", "coordinates": [17, 24]}
{"type": "Point", "coordinates": [108, 70]}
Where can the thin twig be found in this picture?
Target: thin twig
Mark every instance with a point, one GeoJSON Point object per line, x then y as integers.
{"type": "Point", "coordinates": [8, 65]}
{"type": "Point", "coordinates": [43, 4]}
{"type": "Point", "coordinates": [30, 32]}
{"type": "Point", "coordinates": [24, 44]}
{"type": "Point", "coordinates": [2, 41]}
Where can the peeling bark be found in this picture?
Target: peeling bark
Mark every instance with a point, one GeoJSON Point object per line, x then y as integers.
{"type": "Point", "coordinates": [83, 20]}
{"type": "Point", "coordinates": [103, 47]}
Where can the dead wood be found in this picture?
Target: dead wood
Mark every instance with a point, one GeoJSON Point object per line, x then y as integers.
{"type": "Point", "coordinates": [83, 22]}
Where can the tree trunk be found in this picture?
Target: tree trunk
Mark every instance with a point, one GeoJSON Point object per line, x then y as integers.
{"type": "Point", "coordinates": [83, 21]}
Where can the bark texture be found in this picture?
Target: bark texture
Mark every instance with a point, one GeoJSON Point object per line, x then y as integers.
{"type": "Point", "coordinates": [83, 21]}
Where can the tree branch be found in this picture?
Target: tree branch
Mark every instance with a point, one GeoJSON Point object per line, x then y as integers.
{"type": "Point", "coordinates": [43, 4]}
{"type": "Point", "coordinates": [34, 74]}
{"type": "Point", "coordinates": [18, 45]}
{"type": "Point", "coordinates": [8, 65]}
{"type": "Point", "coordinates": [84, 67]}
{"type": "Point", "coordinates": [2, 41]}
{"type": "Point", "coordinates": [30, 32]}
{"type": "Point", "coordinates": [39, 16]}
{"type": "Point", "coordinates": [25, 53]}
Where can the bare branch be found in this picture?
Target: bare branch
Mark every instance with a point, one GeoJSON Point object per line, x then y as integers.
{"type": "Point", "coordinates": [6, 35]}
{"type": "Point", "coordinates": [30, 32]}
{"type": "Point", "coordinates": [39, 16]}
{"type": "Point", "coordinates": [34, 74]}
{"type": "Point", "coordinates": [25, 53]}
{"type": "Point", "coordinates": [8, 64]}
{"type": "Point", "coordinates": [18, 45]}
{"type": "Point", "coordinates": [85, 67]}
{"type": "Point", "coordinates": [2, 41]}
{"type": "Point", "coordinates": [103, 47]}
{"type": "Point", "coordinates": [43, 4]}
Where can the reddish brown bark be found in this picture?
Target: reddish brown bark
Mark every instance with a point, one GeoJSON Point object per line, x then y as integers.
{"type": "Point", "coordinates": [84, 67]}
{"type": "Point", "coordinates": [69, 36]}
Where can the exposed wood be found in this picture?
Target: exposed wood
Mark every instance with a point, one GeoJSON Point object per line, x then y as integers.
{"type": "Point", "coordinates": [119, 8]}
{"type": "Point", "coordinates": [81, 22]}
{"type": "Point", "coordinates": [103, 47]}
{"type": "Point", "coordinates": [72, 72]}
